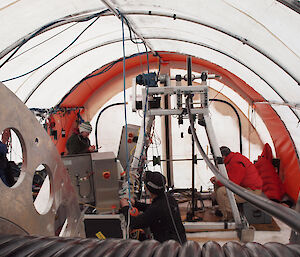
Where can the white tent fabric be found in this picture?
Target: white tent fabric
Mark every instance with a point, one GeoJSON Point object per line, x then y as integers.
{"type": "Point", "coordinates": [257, 40]}
{"type": "Point", "coordinates": [248, 31]}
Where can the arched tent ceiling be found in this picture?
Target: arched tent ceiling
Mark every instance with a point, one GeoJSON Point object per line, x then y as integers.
{"type": "Point", "coordinates": [58, 43]}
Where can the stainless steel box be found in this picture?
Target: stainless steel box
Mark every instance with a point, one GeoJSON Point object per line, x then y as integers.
{"type": "Point", "coordinates": [79, 167]}
{"type": "Point", "coordinates": [132, 136]}
{"type": "Point", "coordinates": [106, 181]}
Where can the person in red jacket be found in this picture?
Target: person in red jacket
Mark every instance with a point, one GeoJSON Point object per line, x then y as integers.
{"type": "Point", "coordinates": [242, 172]}
{"type": "Point", "coordinates": [272, 184]}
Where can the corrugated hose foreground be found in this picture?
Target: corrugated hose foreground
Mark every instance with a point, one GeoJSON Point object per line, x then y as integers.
{"type": "Point", "coordinates": [38, 246]}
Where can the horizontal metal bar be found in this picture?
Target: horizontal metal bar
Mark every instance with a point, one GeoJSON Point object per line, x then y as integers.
{"type": "Point", "coordinates": [209, 76]}
{"type": "Point", "coordinates": [183, 159]}
{"type": "Point", "coordinates": [102, 216]}
{"type": "Point", "coordinates": [175, 90]}
{"type": "Point", "coordinates": [165, 112]}
{"type": "Point", "coordinates": [209, 225]}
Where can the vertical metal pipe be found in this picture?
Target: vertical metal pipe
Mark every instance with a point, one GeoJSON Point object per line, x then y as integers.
{"type": "Point", "coordinates": [189, 70]}
{"type": "Point", "coordinates": [167, 125]}
{"type": "Point", "coordinates": [193, 177]}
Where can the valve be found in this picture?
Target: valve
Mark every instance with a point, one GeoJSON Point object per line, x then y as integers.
{"type": "Point", "coordinates": [106, 174]}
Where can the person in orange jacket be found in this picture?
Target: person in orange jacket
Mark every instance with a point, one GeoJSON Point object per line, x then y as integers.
{"type": "Point", "coordinates": [242, 172]}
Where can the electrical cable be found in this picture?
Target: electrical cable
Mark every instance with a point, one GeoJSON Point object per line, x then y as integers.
{"type": "Point", "coordinates": [159, 64]}
{"type": "Point", "coordinates": [108, 66]}
{"type": "Point", "coordinates": [172, 218]}
{"type": "Point", "coordinates": [100, 113]}
{"type": "Point", "coordinates": [125, 110]}
{"type": "Point", "coordinates": [238, 117]}
{"type": "Point", "coordinates": [130, 29]}
{"type": "Point", "coordinates": [26, 40]}
{"type": "Point", "coordinates": [145, 110]}
{"type": "Point", "coordinates": [130, 34]}
{"type": "Point", "coordinates": [218, 92]}
{"type": "Point", "coordinates": [147, 88]}
{"type": "Point", "coordinates": [80, 180]}
{"type": "Point", "coordinates": [138, 49]}
{"type": "Point", "coordinates": [24, 74]}
{"type": "Point", "coordinates": [126, 131]}
{"type": "Point", "coordinates": [147, 58]}
{"type": "Point", "coordinates": [29, 49]}
{"type": "Point", "coordinates": [55, 110]}
{"type": "Point", "coordinates": [43, 29]}
{"type": "Point", "coordinates": [105, 68]}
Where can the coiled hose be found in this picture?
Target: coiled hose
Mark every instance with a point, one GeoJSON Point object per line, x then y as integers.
{"type": "Point", "coordinates": [39, 246]}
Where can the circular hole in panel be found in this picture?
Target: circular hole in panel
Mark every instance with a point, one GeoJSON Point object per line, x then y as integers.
{"type": "Point", "coordinates": [41, 189]}
{"type": "Point", "coordinates": [12, 156]}
{"type": "Point", "coordinates": [60, 221]}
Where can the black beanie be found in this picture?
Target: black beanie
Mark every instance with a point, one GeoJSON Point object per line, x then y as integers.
{"type": "Point", "coordinates": [155, 182]}
{"type": "Point", "coordinates": [225, 150]}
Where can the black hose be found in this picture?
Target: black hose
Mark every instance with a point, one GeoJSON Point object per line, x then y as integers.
{"type": "Point", "coordinates": [190, 249]}
{"type": "Point", "coordinates": [96, 129]}
{"type": "Point", "coordinates": [234, 249]}
{"type": "Point", "coordinates": [286, 215]}
{"type": "Point", "coordinates": [257, 250]}
{"type": "Point", "coordinates": [279, 250]}
{"type": "Point", "coordinates": [238, 117]}
{"type": "Point", "coordinates": [16, 245]}
{"type": "Point", "coordinates": [212, 248]}
{"type": "Point", "coordinates": [146, 249]}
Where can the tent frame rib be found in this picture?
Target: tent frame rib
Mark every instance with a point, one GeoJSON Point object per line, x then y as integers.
{"type": "Point", "coordinates": [119, 15]}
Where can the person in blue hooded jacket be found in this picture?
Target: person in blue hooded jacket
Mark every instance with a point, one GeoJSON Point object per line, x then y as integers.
{"type": "Point", "coordinates": [6, 177]}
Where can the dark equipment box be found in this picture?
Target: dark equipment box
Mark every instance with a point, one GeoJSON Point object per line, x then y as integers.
{"type": "Point", "coordinates": [105, 226]}
{"type": "Point", "coordinates": [255, 215]}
